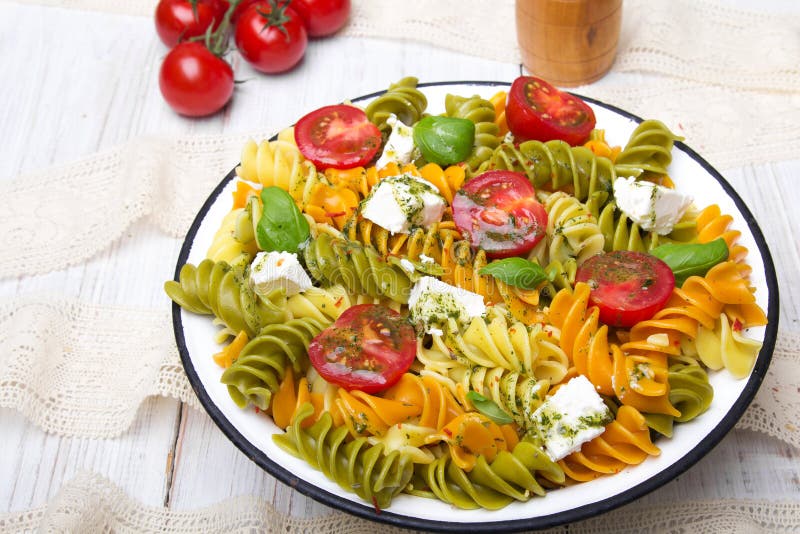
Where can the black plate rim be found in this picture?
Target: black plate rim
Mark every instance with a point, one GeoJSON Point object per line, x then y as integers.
{"type": "Point", "coordinates": [514, 525]}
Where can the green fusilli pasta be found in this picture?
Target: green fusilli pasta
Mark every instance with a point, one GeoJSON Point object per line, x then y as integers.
{"type": "Point", "coordinates": [492, 485]}
{"type": "Point", "coordinates": [689, 391]}
{"type": "Point", "coordinates": [649, 150]}
{"type": "Point", "coordinates": [481, 112]}
{"type": "Point", "coordinates": [555, 165]}
{"type": "Point", "coordinates": [402, 99]}
{"type": "Point", "coordinates": [257, 372]}
{"type": "Point", "coordinates": [221, 289]}
{"type": "Point", "coordinates": [621, 233]}
{"type": "Point", "coordinates": [359, 268]}
{"type": "Point", "coordinates": [366, 470]}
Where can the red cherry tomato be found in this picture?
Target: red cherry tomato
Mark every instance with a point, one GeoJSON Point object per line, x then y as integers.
{"type": "Point", "coordinates": [194, 81]}
{"type": "Point", "coordinates": [368, 348]}
{"type": "Point", "coordinates": [627, 287]}
{"type": "Point", "coordinates": [177, 20]}
{"type": "Point", "coordinates": [337, 136]}
{"type": "Point", "coordinates": [323, 17]}
{"type": "Point", "coordinates": [537, 110]}
{"type": "Point", "coordinates": [271, 37]}
{"type": "Point", "coordinates": [498, 212]}
{"type": "Point", "coordinates": [240, 8]}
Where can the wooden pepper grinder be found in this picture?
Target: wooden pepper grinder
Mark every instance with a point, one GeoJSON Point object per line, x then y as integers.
{"type": "Point", "coordinates": [568, 42]}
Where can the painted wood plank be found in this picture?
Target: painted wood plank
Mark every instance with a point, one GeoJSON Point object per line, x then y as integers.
{"type": "Point", "coordinates": [34, 465]}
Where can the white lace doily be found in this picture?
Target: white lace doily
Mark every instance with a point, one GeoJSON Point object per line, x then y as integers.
{"type": "Point", "coordinates": [92, 503]}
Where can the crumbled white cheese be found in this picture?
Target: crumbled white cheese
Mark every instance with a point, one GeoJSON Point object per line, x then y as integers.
{"type": "Point", "coordinates": [425, 259]}
{"type": "Point", "coordinates": [398, 203]}
{"type": "Point", "coordinates": [399, 146]}
{"type": "Point", "coordinates": [278, 270]}
{"type": "Point", "coordinates": [407, 266]}
{"type": "Point", "coordinates": [574, 415]}
{"type": "Point", "coordinates": [653, 207]}
{"type": "Point", "coordinates": [432, 302]}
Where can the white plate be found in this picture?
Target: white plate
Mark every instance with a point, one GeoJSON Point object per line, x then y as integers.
{"type": "Point", "coordinates": [252, 433]}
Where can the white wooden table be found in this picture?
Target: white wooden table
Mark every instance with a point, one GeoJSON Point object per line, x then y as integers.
{"type": "Point", "coordinates": [73, 83]}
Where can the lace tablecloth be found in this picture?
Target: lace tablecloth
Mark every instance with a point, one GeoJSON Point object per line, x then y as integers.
{"type": "Point", "coordinates": [81, 365]}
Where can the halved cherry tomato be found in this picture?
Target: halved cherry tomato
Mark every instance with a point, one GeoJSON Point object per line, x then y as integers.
{"type": "Point", "coordinates": [368, 348]}
{"type": "Point", "coordinates": [337, 136]}
{"type": "Point", "coordinates": [627, 287]}
{"type": "Point", "coordinates": [537, 110]}
{"type": "Point", "coordinates": [498, 212]}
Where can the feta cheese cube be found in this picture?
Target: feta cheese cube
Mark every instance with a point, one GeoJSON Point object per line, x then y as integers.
{"type": "Point", "coordinates": [432, 302]}
{"type": "Point", "coordinates": [398, 203]}
{"type": "Point", "coordinates": [278, 270]}
{"type": "Point", "coordinates": [653, 207]}
{"type": "Point", "coordinates": [399, 146]}
{"type": "Point", "coordinates": [574, 415]}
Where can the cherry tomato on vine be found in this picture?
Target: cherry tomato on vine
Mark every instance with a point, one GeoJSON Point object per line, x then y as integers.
{"type": "Point", "coordinates": [194, 81]}
{"type": "Point", "coordinates": [537, 110]}
{"type": "Point", "coordinates": [240, 8]}
{"type": "Point", "coordinates": [498, 212]}
{"type": "Point", "coordinates": [339, 136]}
{"type": "Point", "coordinates": [627, 287]}
{"type": "Point", "coordinates": [322, 17]}
{"type": "Point", "coordinates": [271, 36]}
{"type": "Point", "coordinates": [178, 20]}
{"type": "Point", "coordinates": [368, 348]}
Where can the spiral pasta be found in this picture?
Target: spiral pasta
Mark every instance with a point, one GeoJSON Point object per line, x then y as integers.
{"type": "Point", "coordinates": [220, 289]}
{"type": "Point", "coordinates": [359, 268]}
{"type": "Point", "coordinates": [572, 232]}
{"type": "Point", "coordinates": [355, 465]}
{"type": "Point", "coordinates": [690, 392]}
{"type": "Point", "coordinates": [487, 134]}
{"type": "Point", "coordinates": [511, 345]}
{"type": "Point", "coordinates": [401, 99]}
{"type": "Point", "coordinates": [459, 425]}
{"type": "Point", "coordinates": [649, 150]}
{"type": "Point", "coordinates": [225, 246]}
{"type": "Point", "coordinates": [257, 372]}
{"type": "Point", "coordinates": [516, 393]}
{"type": "Point", "coordinates": [635, 373]}
{"type": "Point", "coordinates": [491, 484]}
{"type": "Point", "coordinates": [621, 233]}
{"type": "Point", "coordinates": [554, 166]}
{"type": "Point", "coordinates": [713, 224]}
{"type": "Point", "coordinates": [281, 164]}
{"type": "Point", "coordinates": [626, 441]}
{"type": "Point", "coordinates": [725, 347]}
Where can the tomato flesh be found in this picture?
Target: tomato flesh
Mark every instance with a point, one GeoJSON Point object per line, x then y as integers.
{"type": "Point", "coordinates": [627, 287]}
{"type": "Point", "coordinates": [368, 348]}
{"type": "Point", "coordinates": [337, 136]}
{"type": "Point", "coordinates": [537, 110]}
{"type": "Point", "coordinates": [498, 212]}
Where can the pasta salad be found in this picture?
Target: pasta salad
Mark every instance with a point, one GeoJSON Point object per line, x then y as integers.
{"type": "Point", "coordinates": [477, 307]}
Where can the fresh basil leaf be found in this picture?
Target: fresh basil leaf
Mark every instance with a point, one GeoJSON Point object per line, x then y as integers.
{"type": "Point", "coordinates": [691, 259]}
{"type": "Point", "coordinates": [517, 272]}
{"type": "Point", "coordinates": [281, 228]}
{"type": "Point", "coordinates": [444, 140]}
{"type": "Point", "coordinates": [489, 408]}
